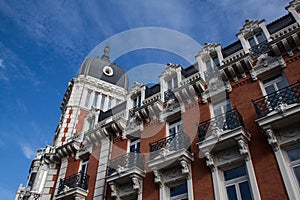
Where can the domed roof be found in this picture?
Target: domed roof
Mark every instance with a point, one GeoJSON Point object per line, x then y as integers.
{"type": "Point", "coordinates": [104, 70]}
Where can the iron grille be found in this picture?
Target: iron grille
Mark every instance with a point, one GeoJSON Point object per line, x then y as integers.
{"type": "Point", "coordinates": [227, 121]}
{"type": "Point", "coordinates": [266, 104]}
{"type": "Point", "coordinates": [173, 142]}
{"type": "Point", "coordinates": [77, 180]}
{"type": "Point", "coordinates": [259, 49]}
{"type": "Point", "coordinates": [168, 95]}
{"type": "Point", "coordinates": [127, 161]}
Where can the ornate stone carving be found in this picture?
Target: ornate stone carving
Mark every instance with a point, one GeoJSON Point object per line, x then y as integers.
{"type": "Point", "coordinates": [157, 177]}
{"type": "Point", "coordinates": [272, 139]}
{"type": "Point", "coordinates": [281, 108]}
{"type": "Point", "coordinates": [210, 161]}
{"type": "Point", "coordinates": [114, 191]}
{"type": "Point", "coordinates": [136, 184]}
{"type": "Point", "coordinates": [243, 148]}
{"type": "Point", "coordinates": [185, 168]}
{"type": "Point", "coordinates": [250, 26]}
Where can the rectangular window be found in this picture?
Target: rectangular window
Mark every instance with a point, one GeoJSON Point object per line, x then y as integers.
{"type": "Point", "coordinates": [222, 107]}
{"type": "Point", "coordinates": [175, 127]}
{"type": "Point", "coordinates": [135, 145]}
{"type": "Point", "coordinates": [172, 83]}
{"type": "Point", "coordinates": [84, 166]}
{"type": "Point", "coordinates": [256, 39]}
{"type": "Point", "coordinates": [179, 192]}
{"type": "Point", "coordinates": [102, 104]}
{"type": "Point", "coordinates": [137, 101]}
{"type": "Point", "coordinates": [275, 83]}
{"type": "Point", "coordinates": [237, 184]}
{"type": "Point", "coordinates": [87, 99]}
{"type": "Point", "coordinates": [294, 158]}
{"type": "Point", "coordinates": [110, 102]}
{"type": "Point", "coordinates": [95, 99]}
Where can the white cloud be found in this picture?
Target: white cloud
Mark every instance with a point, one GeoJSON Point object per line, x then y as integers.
{"type": "Point", "coordinates": [15, 68]}
{"type": "Point", "coordinates": [27, 150]}
{"type": "Point", "coordinates": [2, 64]}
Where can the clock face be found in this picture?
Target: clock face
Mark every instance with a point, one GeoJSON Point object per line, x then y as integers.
{"type": "Point", "coordinates": [108, 71]}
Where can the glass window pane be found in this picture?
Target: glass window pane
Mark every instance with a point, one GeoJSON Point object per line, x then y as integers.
{"type": "Point", "coordinates": [87, 99]}
{"type": "Point", "coordinates": [172, 131]}
{"type": "Point", "coordinates": [252, 41]}
{"type": "Point", "coordinates": [208, 64]}
{"type": "Point", "coordinates": [235, 172]}
{"type": "Point", "coordinates": [175, 82]}
{"type": "Point", "coordinates": [297, 174]}
{"type": "Point", "coordinates": [282, 84]}
{"type": "Point", "coordinates": [245, 191]}
{"type": "Point", "coordinates": [260, 37]}
{"type": "Point", "coordinates": [294, 154]}
{"type": "Point", "coordinates": [231, 193]}
{"type": "Point", "coordinates": [95, 99]}
{"type": "Point", "coordinates": [170, 84]}
{"type": "Point", "coordinates": [270, 89]}
{"type": "Point", "coordinates": [179, 189]}
{"type": "Point", "coordinates": [218, 111]}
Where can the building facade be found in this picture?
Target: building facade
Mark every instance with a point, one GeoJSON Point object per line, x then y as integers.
{"type": "Point", "coordinates": [226, 127]}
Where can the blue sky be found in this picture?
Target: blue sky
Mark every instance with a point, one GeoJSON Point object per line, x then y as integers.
{"type": "Point", "coordinates": [42, 44]}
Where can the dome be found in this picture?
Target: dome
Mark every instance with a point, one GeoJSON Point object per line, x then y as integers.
{"type": "Point", "coordinates": [104, 70]}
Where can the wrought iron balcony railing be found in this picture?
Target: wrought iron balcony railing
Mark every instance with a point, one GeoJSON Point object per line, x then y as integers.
{"type": "Point", "coordinates": [169, 94]}
{"type": "Point", "coordinates": [266, 104]}
{"type": "Point", "coordinates": [171, 143]}
{"type": "Point", "coordinates": [259, 49]}
{"type": "Point", "coordinates": [77, 180]}
{"type": "Point", "coordinates": [227, 121]}
{"type": "Point", "coordinates": [127, 161]}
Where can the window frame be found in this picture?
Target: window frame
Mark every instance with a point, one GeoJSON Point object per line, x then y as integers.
{"type": "Point", "coordinates": [273, 80]}
{"type": "Point", "coordinates": [255, 38]}
{"type": "Point", "coordinates": [177, 124]}
{"type": "Point", "coordinates": [237, 181]}
{"type": "Point", "coordinates": [293, 164]}
{"type": "Point", "coordinates": [180, 196]}
{"type": "Point", "coordinates": [82, 163]}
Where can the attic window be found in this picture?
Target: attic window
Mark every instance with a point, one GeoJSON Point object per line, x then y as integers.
{"type": "Point", "coordinates": [108, 71]}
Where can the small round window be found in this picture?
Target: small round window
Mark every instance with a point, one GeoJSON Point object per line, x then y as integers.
{"type": "Point", "coordinates": [108, 71]}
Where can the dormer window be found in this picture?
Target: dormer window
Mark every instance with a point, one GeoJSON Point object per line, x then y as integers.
{"type": "Point", "coordinates": [256, 39]}
{"type": "Point", "coordinates": [137, 101]}
{"type": "Point", "coordinates": [172, 83]}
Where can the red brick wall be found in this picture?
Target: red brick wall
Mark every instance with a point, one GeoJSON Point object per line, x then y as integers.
{"type": "Point", "coordinates": [73, 166]}
{"type": "Point", "coordinates": [265, 166]}
{"type": "Point", "coordinates": [80, 123]}
{"type": "Point", "coordinates": [292, 70]}
{"type": "Point", "coordinates": [92, 170]}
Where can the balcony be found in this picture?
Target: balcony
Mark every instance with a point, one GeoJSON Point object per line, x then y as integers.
{"type": "Point", "coordinates": [169, 150]}
{"type": "Point", "coordinates": [126, 163]}
{"type": "Point", "coordinates": [73, 187]}
{"type": "Point", "coordinates": [125, 175]}
{"type": "Point", "coordinates": [281, 107]}
{"type": "Point", "coordinates": [259, 49]}
{"type": "Point", "coordinates": [168, 95]}
{"type": "Point", "coordinates": [221, 131]}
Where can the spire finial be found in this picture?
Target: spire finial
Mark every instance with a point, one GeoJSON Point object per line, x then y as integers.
{"type": "Point", "coordinates": [105, 55]}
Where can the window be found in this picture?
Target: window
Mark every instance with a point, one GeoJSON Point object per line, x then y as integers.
{"type": "Point", "coordinates": [222, 107]}
{"type": "Point", "coordinates": [175, 127]}
{"type": "Point", "coordinates": [102, 104]}
{"type": "Point", "coordinates": [32, 179]}
{"type": "Point", "coordinates": [137, 101]}
{"type": "Point", "coordinates": [134, 145]}
{"type": "Point", "coordinates": [87, 99]}
{"type": "Point", "coordinates": [95, 99]}
{"type": "Point", "coordinates": [84, 166]}
{"type": "Point", "coordinates": [256, 39]}
{"type": "Point", "coordinates": [179, 192]}
{"type": "Point", "coordinates": [294, 159]}
{"type": "Point", "coordinates": [172, 83]}
{"type": "Point", "coordinates": [275, 83]}
{"type": "Point", "coordinates": [237, 184]}
{"type": "Point", "coordinates": [110, 102]}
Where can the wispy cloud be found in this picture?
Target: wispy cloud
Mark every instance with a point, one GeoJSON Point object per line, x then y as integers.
{"type": "Point", "coordinates": [28, 150]}
{"type": "Point", "coordinates": [2, 64]}
{"type": "Point", "coordinates": [15, 68]}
